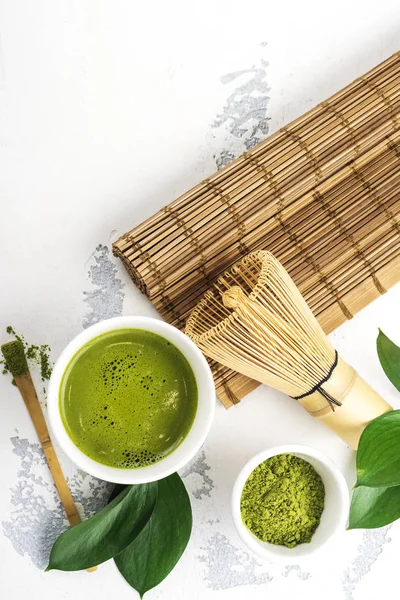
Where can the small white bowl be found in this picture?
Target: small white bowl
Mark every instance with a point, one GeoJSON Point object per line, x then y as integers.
{"type": "Point", "coordinates": [334, 516]}
{"type": "Point", "coordinates": [194, 439]}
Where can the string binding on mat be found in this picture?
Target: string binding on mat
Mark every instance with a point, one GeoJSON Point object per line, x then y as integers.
{"type": "Point", "coordinates": [318, 387]}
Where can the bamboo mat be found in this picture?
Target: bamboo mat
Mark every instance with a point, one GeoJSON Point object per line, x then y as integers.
{"type": "Point", "coordinates": [322, 194]}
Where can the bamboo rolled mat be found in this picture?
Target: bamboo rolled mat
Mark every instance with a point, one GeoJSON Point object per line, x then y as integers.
{"type": "Point", "coordinates": [322, 194]}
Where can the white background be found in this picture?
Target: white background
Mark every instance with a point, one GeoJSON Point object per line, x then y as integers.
{"type": "Point", "coordinates": [108, 111]}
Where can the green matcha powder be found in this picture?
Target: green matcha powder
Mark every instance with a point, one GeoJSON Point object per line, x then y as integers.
{"type": "Point", "coordinates": [282, 501]}
{"type": "Point", "coordinates": [39, 355]}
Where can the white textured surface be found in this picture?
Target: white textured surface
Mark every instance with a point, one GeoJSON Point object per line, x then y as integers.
{"type": "Point", "coordinates": [109, 110]}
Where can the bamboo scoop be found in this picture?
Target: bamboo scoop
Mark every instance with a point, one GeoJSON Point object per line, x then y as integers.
{"type": "Point", "coordinates": [16, 362]}
{"type": "Point", "coordinates": [256, 322]}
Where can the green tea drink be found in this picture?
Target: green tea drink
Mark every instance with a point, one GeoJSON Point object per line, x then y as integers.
{"type": "Point", "coordinates": [128, 398]}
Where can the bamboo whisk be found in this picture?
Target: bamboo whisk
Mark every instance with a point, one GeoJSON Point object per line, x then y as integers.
{"type": "Point", "coordinates": [256, 322]}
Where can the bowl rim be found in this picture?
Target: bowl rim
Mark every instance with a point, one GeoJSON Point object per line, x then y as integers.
{"type": "Point", "coordinates": [267, 552]}
{"type": "Point", "coordinates": [196, 436]}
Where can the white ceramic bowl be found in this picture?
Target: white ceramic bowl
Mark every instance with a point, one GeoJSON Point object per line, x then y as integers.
{"type": "Point", "coordinates": [197, 434]}
{"type": "Point", "coordinates": [334, 516]}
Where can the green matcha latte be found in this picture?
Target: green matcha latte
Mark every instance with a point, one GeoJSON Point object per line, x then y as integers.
{"type": "Point", "coordinates": [128, 398]}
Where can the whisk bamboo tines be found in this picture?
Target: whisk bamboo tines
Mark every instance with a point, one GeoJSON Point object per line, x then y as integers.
{"type": "Point", "coordinates": [256, 322]}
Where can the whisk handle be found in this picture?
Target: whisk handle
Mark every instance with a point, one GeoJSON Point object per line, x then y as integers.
{"type": "Point", "coordinates": [359, 404]}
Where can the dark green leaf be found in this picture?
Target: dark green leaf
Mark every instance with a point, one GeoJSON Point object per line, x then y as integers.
{"type": "Point", "coordinates": [157, 549]}
{"type": "Point", "coordinates": [107, 533]}
{"type": "Point", "coordinates": [374, 507]}
{"type": "Point", "coordinates": [389, 357]}
{"type": "Point", "coordinates": [378, 456]}
{"type": "Point", "coordinates": [118, 488]}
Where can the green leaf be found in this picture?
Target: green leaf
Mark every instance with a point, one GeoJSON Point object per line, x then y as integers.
{"type": "Point", "coordinates": [374, 507]}
{"type": "Point", "coordinates": [118, 488]}
{"type": "Point", "coordinates": [389, 357]}
{"type": "Point", "coordinates": [107, 533]}
{"type": "Point", "coordinates": [378, 455]}
{"type": "Point", "coordinates": [157, 549]}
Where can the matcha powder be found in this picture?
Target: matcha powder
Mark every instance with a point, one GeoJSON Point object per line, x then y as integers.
{"type": "Point", "coordinates": [282, 501]}
{"type": "Point", "coordinates": [38, 355]}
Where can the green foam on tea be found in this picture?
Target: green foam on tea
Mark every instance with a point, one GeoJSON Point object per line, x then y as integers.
{"type": "Point", "coordinates": [128, 398]}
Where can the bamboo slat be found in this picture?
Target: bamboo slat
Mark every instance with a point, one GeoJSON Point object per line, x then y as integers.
{"type": "Point", "coordinates": [322, 194]}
